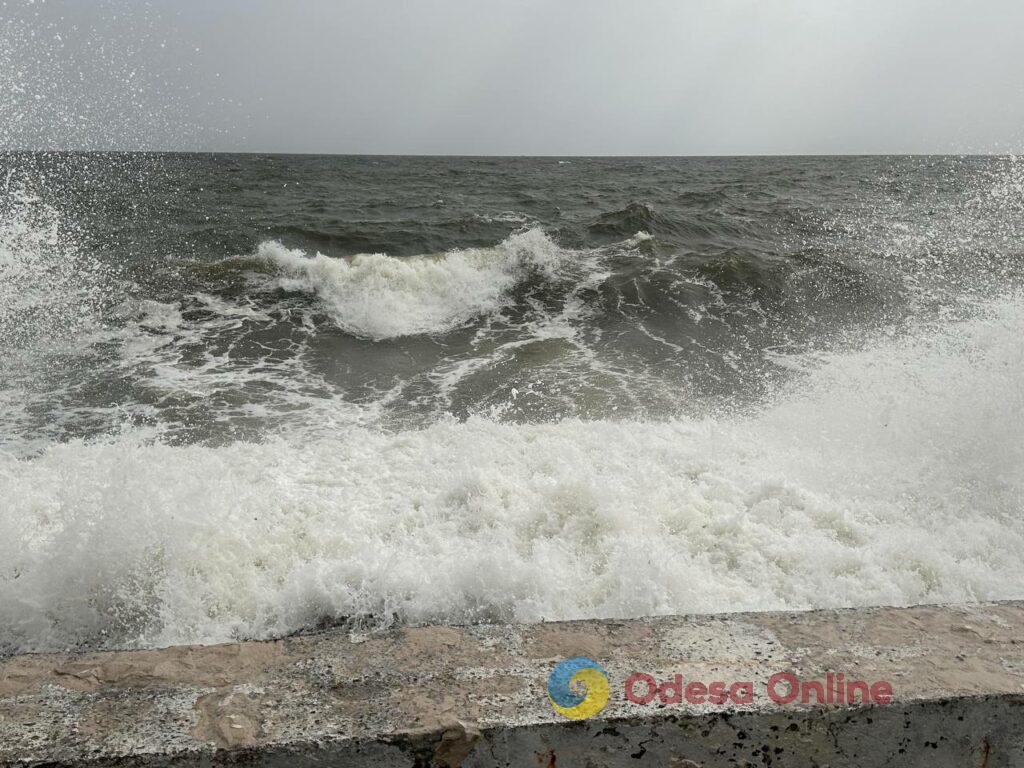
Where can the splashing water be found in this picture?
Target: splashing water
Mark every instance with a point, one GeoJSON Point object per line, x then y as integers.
{"type": "Point", "coordinates": [215, 431]}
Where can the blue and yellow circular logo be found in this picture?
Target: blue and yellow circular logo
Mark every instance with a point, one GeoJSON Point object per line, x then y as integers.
{"type": "Point", "coordinates": [578, 705]}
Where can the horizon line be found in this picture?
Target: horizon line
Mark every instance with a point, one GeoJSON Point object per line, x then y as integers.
{"type": "Point", "coordinates": [752, 155]}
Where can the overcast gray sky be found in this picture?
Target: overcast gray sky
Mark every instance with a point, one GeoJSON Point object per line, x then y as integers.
{"type": "Point", "coordinates": [514, 76]}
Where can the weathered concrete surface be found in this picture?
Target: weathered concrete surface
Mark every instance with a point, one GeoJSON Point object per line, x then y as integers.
{"type": "Point", "coordinates": [476, 696]}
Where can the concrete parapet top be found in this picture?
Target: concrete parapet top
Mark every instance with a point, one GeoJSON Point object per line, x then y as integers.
{"type": "Point", "coordinates": [477, 695]}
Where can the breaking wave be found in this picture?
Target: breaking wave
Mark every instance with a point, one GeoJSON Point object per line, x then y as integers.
{"type": "Point", "coordinates": [376, 296]}
{"type": "Point", "coordinates": [888, 475]}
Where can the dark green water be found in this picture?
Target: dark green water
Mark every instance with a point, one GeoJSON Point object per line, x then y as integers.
{"type": "Point", "coordinates": [523, 289]}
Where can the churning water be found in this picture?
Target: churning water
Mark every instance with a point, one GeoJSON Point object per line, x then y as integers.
{"type": "Point", "coordinates": [242, 396]}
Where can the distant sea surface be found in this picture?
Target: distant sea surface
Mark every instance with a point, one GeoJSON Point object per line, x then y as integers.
{"type": "Point", "coordinates": [248, 395]}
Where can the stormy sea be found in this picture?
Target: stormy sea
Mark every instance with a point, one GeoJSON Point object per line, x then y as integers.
{"type": "Point", "coordinates": [243, 396]}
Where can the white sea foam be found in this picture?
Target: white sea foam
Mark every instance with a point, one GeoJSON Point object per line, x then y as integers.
{"type": "Point", "coordinates": [377, 296]}
{"type": "Point", "coordinates": [888, 475]}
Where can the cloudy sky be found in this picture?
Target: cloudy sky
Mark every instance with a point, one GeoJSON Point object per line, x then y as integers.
{"type": "Point", "coordinates": [514, 76]}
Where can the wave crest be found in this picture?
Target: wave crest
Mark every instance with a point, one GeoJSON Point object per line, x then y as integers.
{"type": "Point", "coordinates": [378, 297]}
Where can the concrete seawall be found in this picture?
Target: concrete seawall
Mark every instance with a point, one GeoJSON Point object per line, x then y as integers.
{"type": "Point", "coordinates": [477, 696]}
